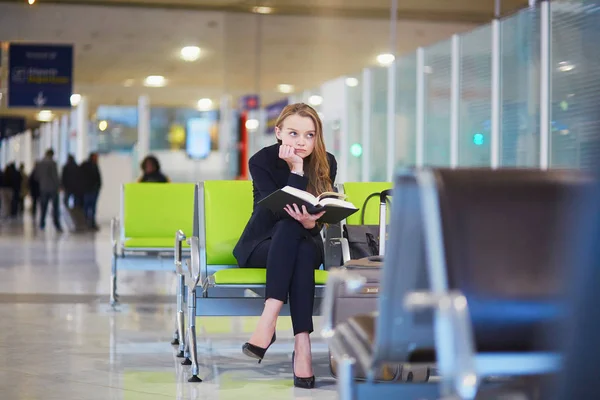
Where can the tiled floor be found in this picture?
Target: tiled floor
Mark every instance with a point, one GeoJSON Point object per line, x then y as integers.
{"type": "Point", "coordinates": [60, 340]}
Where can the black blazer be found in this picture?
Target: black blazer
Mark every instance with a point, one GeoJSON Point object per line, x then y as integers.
{"type": "Point", "coordinates": [269, 173]}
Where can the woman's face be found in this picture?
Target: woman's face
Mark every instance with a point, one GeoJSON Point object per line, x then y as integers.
{"type": "Point", "coordinates": [149, 167]}
{"type": "Point", "coordinates": [298, 132]}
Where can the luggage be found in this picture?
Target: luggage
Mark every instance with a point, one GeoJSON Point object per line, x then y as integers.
{"type": "Point", "coordinates": [74, 219]}
{"type": "Point", "coordinates": [363, 305]}
{"type": "Point", "coordinates": [349, 304]}
{"type": "Point", "coordinates": [364, 240]}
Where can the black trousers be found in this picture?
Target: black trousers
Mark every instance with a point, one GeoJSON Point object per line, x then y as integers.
{"type": "Point", "coordinates": [45, 199]}
{"type": "Point", "coordinates": [291, 256]}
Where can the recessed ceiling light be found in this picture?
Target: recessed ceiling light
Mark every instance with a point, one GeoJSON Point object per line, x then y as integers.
{"type": "Point", "coordinates": [155, 81]}
{"type": "Point", "coordinates": [30, 2]}
{"type": "Point", "coordinates": [352, 82]}
{"type": "Point", "coordinates": [128, 82]}
{"type": "Point", "coordinates": [285, 88]}
{"type": "Point", "coordinates": [205, 104]}
{"type": "Point", "coordinates": [252, 124]}
{"type": "Point", "coordinates": [315, 100]}
{"type": "Point", "coordinates": [190, 53]}
{"type": "Point", "coordinates": [385, 59]}
{"type": "Point", "coordinates": [44, 116]}
{"type": "Point", "coordinates": [75, 99]}
{"type": "Point", "coordinates": [262, 10]}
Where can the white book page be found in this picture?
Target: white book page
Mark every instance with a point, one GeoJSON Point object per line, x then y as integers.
{"type": "Point", "coordinates": [337, 203]}
{"type": "Point", "coordinates": [301, 194]}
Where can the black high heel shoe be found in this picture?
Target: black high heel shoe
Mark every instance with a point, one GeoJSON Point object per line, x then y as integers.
{"type": "Point", "coordinates": [304, 383]}
{"type": "Point", "coordinates": [257, 352]}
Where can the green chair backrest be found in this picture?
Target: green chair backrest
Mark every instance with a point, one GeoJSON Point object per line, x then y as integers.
{"type": "Point", "coordinates": [157, 210]}
{"type": "Point", "coordinates": [227, 209]}
{"type": "Point", "coordinates": [357, 193]}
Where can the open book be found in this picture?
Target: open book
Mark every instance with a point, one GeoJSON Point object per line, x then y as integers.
{"type": "Point", "coordinates": [334, 205]}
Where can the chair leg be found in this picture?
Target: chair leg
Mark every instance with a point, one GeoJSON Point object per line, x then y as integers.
{"type": "Point", "coordinates": [345, 381]}
{"type": "Point", "coordinates": [192, 335]}
{"type": "Point", "coordinates": [186, 342]}
{"type": "Point", "coordinates": [181, 315]}
{"type": "Point", "coordinates": [175, 340]}
{"type": "Point", "coordinates": [114, 297]}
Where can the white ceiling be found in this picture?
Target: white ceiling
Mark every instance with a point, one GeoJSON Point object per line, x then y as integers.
{"type": "Point", "coordinates": [113, 44]}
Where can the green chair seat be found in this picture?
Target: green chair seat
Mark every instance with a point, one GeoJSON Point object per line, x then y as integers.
{"type": "Point", "coordinates": [254, 276]}
{"type": "Point", "coordinates": [152, 243]}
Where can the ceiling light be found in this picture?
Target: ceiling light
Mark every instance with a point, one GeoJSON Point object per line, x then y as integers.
{"type": "Point", "coordinates": [252, 124]}
{"type": "Point", "coordinates": [315, 100]}
{"type": "Point", "coordinates": [102, 125]}
{"type": "Point", "coordinates": [155, 81]}
{"type": "Point", "coordinates": [205, 104]}
{"type": "Point", "coordinates": [385, 59]}
{"type": "Point", "coordinates": [190, 53]}
{"type": "Point", "coordinates": [44, 116]}
{"type": "Point", "coordinates": [30, 2]}
{"type": "Point", "coordinates": [128, 82]}
{"type": "Point", "coordinates": [565, 66]}
{"type": "Point", "coordinates": [352, 82]}
{"type": "Point", "coordinates": [285, 88]}
{"type": "Point", "coordinates": [262, 10]}
{"type": "Point", "coordinates": [75, 99]}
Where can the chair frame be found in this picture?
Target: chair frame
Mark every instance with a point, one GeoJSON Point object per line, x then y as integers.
{"type": "Point", "coordinates": [117, 239]}
{"type": "Point", "coordinates": [215, 299]}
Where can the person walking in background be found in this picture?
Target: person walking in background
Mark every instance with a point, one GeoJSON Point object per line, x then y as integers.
{"type": "Point", "coordinates": [91, 182]}
{"type": "Point", "coordinates": [14, 183]}
{"type": "Point", "coordinates": [46, 174]}
{"type": "Point", "coordinates": [24, 188]}
{"type": "Point", "coordinates": [151, 171]}
{"type": "Point", "coordinates": [34, 191]}
{"type": "Point", "coordinates": [71, 183]}
{"type": "Point", "coordinates": [5, 195]}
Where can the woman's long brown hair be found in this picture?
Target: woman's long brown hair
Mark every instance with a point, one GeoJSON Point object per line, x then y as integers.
{"type": "Point", "coordinates": [316, 164]}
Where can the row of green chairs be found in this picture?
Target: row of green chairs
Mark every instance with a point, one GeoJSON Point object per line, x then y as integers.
{"type": "Point", "coordinates": [207, 220]}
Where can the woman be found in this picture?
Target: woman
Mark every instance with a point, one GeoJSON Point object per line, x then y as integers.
{"type": "Point", "coordinates": [288, 242]}
{"type": "Point", "coordinates": [151, 171]}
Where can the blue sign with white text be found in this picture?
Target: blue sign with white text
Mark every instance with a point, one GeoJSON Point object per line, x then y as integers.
{"type": "Point", "coordinates": [40, 76]}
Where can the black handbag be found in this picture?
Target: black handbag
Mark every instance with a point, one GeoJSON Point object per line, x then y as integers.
{"type": "Point", "coordinates": [363, 240]}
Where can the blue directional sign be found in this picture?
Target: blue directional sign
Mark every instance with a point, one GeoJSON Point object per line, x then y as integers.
{"type": "Point", "coordinates": [40, 76]}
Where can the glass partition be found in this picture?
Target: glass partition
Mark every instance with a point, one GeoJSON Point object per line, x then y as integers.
{"type": "Point", "coordinates": [575, 77]}
{"type": "Point", "coordinates": [406, 110]}
{"type": "Point", "coordinates": [378, 128]}
{"type": "Point", "coordinates": [475, 108]}
{"type": "Point", "coordinates": [520, 87]}
{"type": "Point", "coordinates": [355, 120]}
{"type": "Point", "coordinates": [437, 70]}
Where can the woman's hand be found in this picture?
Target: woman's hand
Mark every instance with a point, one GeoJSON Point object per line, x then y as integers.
{"type": "Point", "coordinates": [288, 154]}
{"type": "Point", "coordinates": [307, 220]}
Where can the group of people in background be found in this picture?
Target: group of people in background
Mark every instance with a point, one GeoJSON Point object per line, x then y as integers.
{"type": "Point", "coordinates": [14, 187]}
{"type": "Point", "coordinates": [80, 185]}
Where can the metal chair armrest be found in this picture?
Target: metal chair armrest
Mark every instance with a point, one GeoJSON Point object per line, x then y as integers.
{"type": "Point", "coordinates": [179, 238]}
{"type": "Point", "coordinates": [353, 281]}
{"type": "Point", "coordinates": [194, 262]}
{"type": "Point", "coordinates": [454, 340]}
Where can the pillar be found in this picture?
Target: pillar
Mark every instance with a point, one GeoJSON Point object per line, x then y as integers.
{"type": "Point", "coordinates": [82, 148]}
{"type": "Point", "coordinates": [143, 142]}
